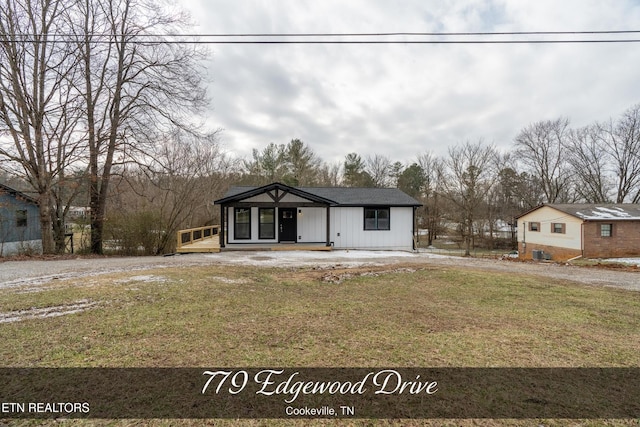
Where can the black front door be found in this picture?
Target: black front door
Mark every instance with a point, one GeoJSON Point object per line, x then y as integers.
{"type": "Point", "coordinates": [288, 224]}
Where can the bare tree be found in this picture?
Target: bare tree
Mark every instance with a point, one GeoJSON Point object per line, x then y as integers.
{"type": "Point", "coordinates": [470, 176]}
{"type": "Point", "coordinates": [136, 86]}
{"type": "Point", "coordinates": [37, 108]}
{"type": "Point", "coordinates": [431, 210]}
{"type": "Point", "coordinates": [379, 169]}
{"type": "Point", "coordinates": [541, 148]}
{"type": "Point", "coordinates": [622, 142]}
{"type": "Point", "coordinates": [175, 190]}
{"type": "Point", "coordinates": [329, 174]}
{"type": "Point", "coordinates": [513, 192]}
{"type": "Point", "coordinates": [589, 161]}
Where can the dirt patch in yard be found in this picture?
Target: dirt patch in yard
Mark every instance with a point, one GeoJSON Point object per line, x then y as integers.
{"type": "Point", "coordinates": [44, 312]}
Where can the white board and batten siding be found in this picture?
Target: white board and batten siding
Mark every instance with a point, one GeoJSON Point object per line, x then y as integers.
{"type": "Point", "coordinates": [347, 224]}
{"type": "Point", "coordinates": [347, 228]}
{"type": "Point", "coordinates": [312, 225]}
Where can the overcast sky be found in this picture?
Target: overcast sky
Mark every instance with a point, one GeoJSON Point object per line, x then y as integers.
{"type": "Point", "coordinates": [402, 100]}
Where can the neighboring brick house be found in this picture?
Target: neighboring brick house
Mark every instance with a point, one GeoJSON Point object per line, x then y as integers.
{"type": "Point", "coordinates": [19, 222]}
{"type": "Point", "coordinates": [564, 231]}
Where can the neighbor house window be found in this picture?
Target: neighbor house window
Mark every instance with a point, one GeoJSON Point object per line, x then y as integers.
{"type": "Point", "coordinates": [242, 223]}
{"type": "Point", "coordinates": [605, 230]}
{"type": "Point", "coordinates": [534, 226]}
{"type": "Point", "coordinates": [558, 227]}
{"type": "Point", "coordinates": [21, 218]}
{"type": "Point", "coordinates": [267, 223]}
{"type": "Point", "coordinates": [376, 218]}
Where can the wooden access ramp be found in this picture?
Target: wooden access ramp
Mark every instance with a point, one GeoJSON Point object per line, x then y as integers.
{"type": "Point", "coordinates": [207, 240]}
{"type": "Point", "coordinates": [199, 240]}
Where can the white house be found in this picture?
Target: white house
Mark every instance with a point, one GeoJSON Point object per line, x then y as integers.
{"type": "Point", "coordinates": [338, 217]}
{"type": "Point", "coordinates": [563, 231]}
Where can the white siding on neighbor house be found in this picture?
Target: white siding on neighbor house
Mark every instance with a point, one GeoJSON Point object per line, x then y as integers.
{"type": "Point", "coordinates": [347, 230]}
{"type": "Point", "coordinates": [546, 216]}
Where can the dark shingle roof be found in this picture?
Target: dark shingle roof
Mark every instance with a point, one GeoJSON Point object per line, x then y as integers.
{"type": "Point", "coordinates": [342, 196]}
{"type": "Point", "coordinates": [347, 196]}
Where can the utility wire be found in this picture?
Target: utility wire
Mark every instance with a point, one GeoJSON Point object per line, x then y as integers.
{"type": "Point", "coordinates": [374, 42]}
{"type": "Point", "coordinates": [417, 34]}
{"type": "Point", "coordinates": [334, 42]}
{"type": "Point", "coordinates": [330, 38]}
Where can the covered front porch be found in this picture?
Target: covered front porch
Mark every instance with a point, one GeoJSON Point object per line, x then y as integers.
{"type": "Point", "coordinates": [274, 217]}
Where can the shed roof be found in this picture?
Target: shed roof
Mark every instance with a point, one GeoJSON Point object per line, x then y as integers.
{"type": "Point", "coordinates": [16, 193]}
{"type": "Point", "coordinates": [337, 196]}
{"type": "Point", "coordinates": [597, 211]}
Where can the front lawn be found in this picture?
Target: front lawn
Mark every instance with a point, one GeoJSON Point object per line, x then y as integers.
{"type": "Point", "coordinates": [408, 316]}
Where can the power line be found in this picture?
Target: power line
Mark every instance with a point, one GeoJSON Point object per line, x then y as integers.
{"type": "Point", "coordinates": [340, 42]}
{"type": "Point", "coordinates": [373, 42]}
{"type": "Point", "coordinates": [416, 34]}
{"type": "Point", "coordinates": [330, 38]}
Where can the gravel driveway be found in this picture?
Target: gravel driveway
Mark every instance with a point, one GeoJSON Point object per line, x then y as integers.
{"type": "Point", "coordinates": [36, 272]}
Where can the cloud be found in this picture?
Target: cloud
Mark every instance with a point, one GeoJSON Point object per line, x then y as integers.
{"type": "Point", "coordinates": [401, 100]}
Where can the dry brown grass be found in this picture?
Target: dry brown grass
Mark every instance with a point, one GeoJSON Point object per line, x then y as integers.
{"type": "Point", "coordinates": [367, 317]}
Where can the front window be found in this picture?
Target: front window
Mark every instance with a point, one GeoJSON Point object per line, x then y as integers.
{"type": "Point", "coordinates": [376, 219]}
{"type": "Point", "coordinates": [267, 224]}
{"type": "Point", "coordinates": [21, 218]}
{"type": "Point", "coordinates": [605, 230]}
{"type": "Point", "coordinates": [242, 223]}
{"type": "Point", "coordinates": [558, 227]}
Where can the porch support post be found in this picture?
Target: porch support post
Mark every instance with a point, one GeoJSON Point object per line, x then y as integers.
{"type": "Point", "coordinates": [414, 237]}
{"type": "Point", "coordinates": [328, 226]}
{"type": "Point", "coordinates": [222, 220]}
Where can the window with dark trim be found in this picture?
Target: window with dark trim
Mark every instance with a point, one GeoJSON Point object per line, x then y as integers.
{"type": "Point", "coordinates": [242, 223]}
{"type": "Point", "coordinates": [534, 226]}
{"type": "Point", "coordinates": [606, 230]}
{"type": "Point", "coordinates": [376, 218]}
{"type": "Point", "coordinates": [558, 227]}
{"type": "Point", "coordinates": [21, 218]}
{"type": "Point", "coordinates": [267, 223]}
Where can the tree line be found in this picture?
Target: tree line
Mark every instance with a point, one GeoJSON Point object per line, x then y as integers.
{"type": "Point", "coordinates": [474, 189]}
{"type": "Point", "coordinates": [476, 186]}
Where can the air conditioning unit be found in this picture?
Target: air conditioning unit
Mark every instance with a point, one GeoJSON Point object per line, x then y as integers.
{"type": "Point", "coordinates": [546, 256]}
{"type": "Point", "coordinates": [537, 255]}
